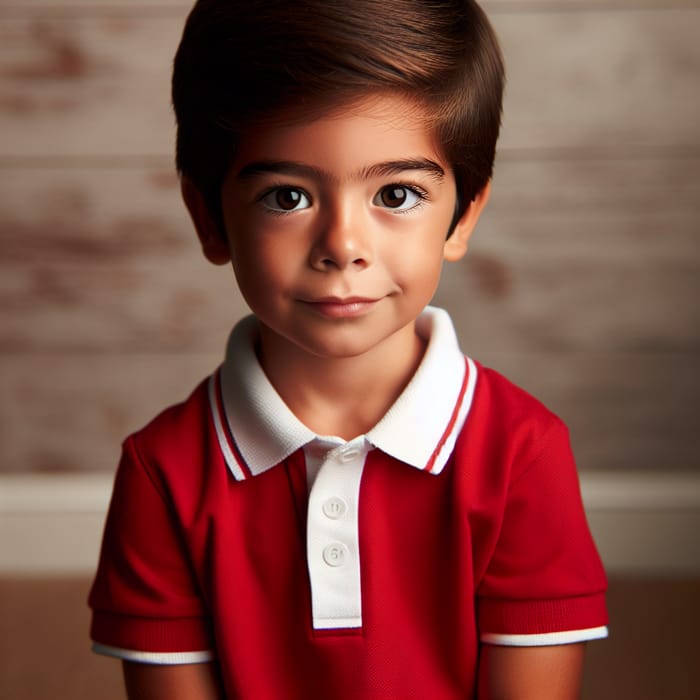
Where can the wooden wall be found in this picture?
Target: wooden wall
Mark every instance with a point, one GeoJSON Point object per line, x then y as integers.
{"type": "Point", "coordinates": [581, 284]}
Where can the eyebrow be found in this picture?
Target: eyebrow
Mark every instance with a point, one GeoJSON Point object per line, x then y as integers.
{"type": "Point", "coordinates": [385, 169]}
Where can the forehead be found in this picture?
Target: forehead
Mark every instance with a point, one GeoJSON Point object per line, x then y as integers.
{"type": "Point", "coordinates": [353, 134]}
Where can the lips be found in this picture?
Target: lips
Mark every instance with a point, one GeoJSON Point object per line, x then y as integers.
{"type": "Point", "coordinates": [334, 307]}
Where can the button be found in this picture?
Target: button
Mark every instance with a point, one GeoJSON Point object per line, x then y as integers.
{"type": "Point", "coordinates": [334, 508]}
{"type": "Point", "coordinates": [335, 554]}
{"type": "Point", "coordinates": [349, 455]}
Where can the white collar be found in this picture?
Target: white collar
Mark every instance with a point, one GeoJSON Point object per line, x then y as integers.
{"type": "Point", "coordinates": [257, 430]}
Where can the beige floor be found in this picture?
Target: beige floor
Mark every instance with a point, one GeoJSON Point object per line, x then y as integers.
{"type": "Point", "coordinates": [653, 652]}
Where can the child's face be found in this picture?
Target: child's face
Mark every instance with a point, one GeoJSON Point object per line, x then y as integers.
{"type": "Point", "coordinates": [337, 227]}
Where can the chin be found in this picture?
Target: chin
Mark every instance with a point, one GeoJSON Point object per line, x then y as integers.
{"type": "Point", "coordinates": [337, 344]}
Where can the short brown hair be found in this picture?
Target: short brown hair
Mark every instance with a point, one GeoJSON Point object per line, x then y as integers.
{"type": "Point", "coordinates": [242, 62]}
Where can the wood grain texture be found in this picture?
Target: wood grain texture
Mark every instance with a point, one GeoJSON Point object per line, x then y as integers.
{"type": "Point", "coordinates": [71, 411]}
{"type": "Point", "coordinates": [600, 79]}
{"type": "Point", "coordinates": [76, 87]}
{"type": "Point", "coordinates": [132, 7]}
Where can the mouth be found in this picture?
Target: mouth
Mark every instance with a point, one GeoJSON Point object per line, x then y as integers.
{"type": "Point", "coordinates": [334, 307]}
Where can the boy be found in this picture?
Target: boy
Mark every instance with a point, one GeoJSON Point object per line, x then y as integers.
{"type": "Point", "coordinates": [347, 508]}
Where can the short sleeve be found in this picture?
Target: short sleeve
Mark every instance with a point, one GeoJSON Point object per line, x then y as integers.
{"type": "Point", "coordinates": [145, 600]}
{"type": "Point", "coordinates": [544, 583]}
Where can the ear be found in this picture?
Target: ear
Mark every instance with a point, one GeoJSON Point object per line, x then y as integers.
{"type": "Point", "coordinates": [213, 241]}
{"type": "Point", "coordinates": [456, 245]}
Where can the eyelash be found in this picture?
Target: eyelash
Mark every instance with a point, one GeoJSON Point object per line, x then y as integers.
{"type": "Point", "coordinates": [422, 195]}
{"type": "Point", "coordinates": [274, 188]}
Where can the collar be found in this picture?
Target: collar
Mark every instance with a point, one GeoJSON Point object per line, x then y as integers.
{"type": "Point", "coordinates": [256, 430]}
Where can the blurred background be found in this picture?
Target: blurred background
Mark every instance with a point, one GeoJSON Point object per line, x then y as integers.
{"type": "Point", "coordinates": [582, 284]}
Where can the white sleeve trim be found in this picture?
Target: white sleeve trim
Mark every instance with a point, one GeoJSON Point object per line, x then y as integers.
{"type": "Point", "coordinates": [547, 639]}
{"type": "Point", "coordinates": [167, 658]}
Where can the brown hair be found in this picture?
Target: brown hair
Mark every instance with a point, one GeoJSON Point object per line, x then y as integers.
{"type": "Point", "coordinates": [244, 61]}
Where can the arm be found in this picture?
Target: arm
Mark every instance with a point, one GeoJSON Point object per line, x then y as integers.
{"type": "Point", "coordinates": [530, 673]}
{"type": "Point", "coordinates": [179, 682]}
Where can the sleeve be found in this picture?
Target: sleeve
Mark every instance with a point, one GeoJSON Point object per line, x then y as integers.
{"type": "Point", "coordinates": [544, 583]}
{"type": "Point", "coordinates": [144, 599]}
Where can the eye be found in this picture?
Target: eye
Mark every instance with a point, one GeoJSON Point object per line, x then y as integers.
{"type": "Point", "coordinates": [284, 199]}
{"type": "Point", "coordinates": [398, 197]}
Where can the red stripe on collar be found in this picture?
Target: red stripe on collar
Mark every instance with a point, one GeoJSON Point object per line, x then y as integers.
{"type": "Point", "coordinates": [226, 428]}
{"type": "Point", "coordinates": [453, 419]}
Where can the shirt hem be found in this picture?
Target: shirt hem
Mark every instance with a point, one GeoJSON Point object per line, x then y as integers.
{"type": "Point", "coordinates": [167, 658]}
{"type": "Point", "coordinates": [545, 639]}
{"type": "Point", "coordinates": [331, 623]}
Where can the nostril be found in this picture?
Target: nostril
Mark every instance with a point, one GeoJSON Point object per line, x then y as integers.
{"type": "Point", "coordinates": [337, 249]}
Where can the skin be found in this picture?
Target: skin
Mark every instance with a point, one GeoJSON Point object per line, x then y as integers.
{"type": "Point", "coordinates": [336, 230]}
{"type": "Point", "coordinates": [181, 682]}
{"type": "Point", "coordinates": [531, 673]}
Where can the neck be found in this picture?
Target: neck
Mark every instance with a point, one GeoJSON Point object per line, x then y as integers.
{"type": "Point", "coordinates": [343, 396]}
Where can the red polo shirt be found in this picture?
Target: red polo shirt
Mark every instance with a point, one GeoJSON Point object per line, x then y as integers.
{"type": "Point", "coordinates": [312, 567]}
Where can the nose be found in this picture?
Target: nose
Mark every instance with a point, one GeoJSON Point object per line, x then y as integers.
{"type": "Point", "coordinates": [343, 241]}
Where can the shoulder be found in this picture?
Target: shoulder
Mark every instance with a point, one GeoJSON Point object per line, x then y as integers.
{"type": "Point", "coordinates": [170, 423]}
{"type": "Point", "coordinates": [179, 434]}
{"type": "Point", "coordinates": [508, 426]}
{"type": "Point", "coordinates": [496, 398]}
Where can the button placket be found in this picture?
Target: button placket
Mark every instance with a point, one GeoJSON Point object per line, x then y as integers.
{"type": "Point", "coordinates": [332, 539]}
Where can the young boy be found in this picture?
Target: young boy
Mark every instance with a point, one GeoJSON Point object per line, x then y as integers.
{"type": "Point", "coordinates": [348, 507]}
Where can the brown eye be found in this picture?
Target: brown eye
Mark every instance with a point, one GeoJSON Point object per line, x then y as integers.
{"type": "Point", "coordinates": [286, 199]}
{"type": "Point", "coordinates": [393, 196]}
{"type": "Point", "coordinates": [399, 197]}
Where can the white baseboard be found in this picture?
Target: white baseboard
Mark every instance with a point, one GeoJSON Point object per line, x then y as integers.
{"type": "Point", "coordinates": [644, 523]}
{"type": "Point", "coordinates": [52, 524]}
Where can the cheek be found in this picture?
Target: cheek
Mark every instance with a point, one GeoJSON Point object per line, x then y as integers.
{"type": "Point", "coordinates": [418, 263]}
{"type": "Point", "coordinates": [263, 264]}
{"type": "Point", "coordinates": [430, 276]}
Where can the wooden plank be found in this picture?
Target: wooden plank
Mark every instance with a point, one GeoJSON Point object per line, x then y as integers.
{"type": "Point", "coordinates": [92, 216]}
{"type": "Point", "coordinates": [600, 79]}
{"type": "Point", "coordinates": [624, 409]}
{"type": "Point", "coordinates": [70, 412]}
{"type": "Point", "coordinates": [84, 87]}
{"type": "Point", "coordinates": [601, 179]}
{"type": "Point", "coordinates": [494, 6]}
{"type": "Point", "coordinates": [133, 7]}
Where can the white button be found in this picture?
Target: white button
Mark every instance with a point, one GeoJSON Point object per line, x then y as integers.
{"type": "Point", "coordinates": [334, 508]}
{"type": "Point", "coordinates": [349, 455]}
{"type": "Point", "coordinates": [335, 554]}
